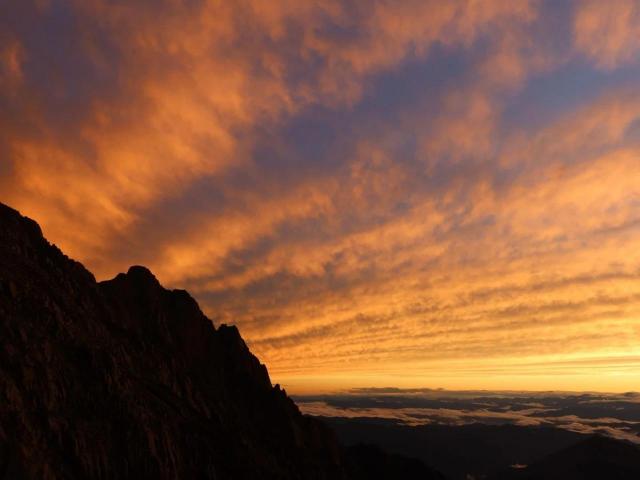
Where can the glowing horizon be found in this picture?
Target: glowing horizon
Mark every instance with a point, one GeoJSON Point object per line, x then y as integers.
{"type": "Point", "coordinates": [417, 194]}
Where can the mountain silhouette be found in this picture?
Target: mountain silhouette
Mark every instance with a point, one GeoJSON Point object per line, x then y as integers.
{"type": "Point", "coordinates": [459, 451]}
{"type": "Point", "coordinates": [126, 379]}
{"type": "Point", "coordinates": [497, 452]}
{"type": "Point", "coordinates": [595, 458]}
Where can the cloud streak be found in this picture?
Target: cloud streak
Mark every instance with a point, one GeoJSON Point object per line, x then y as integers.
{"type": "Point", "coordinates": [419, 191]}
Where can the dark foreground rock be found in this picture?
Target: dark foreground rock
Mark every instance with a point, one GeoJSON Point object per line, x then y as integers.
{"type": "Point", "coordinates": [125, 379]}
{"type": "Point", "coordinates": [370, 462]}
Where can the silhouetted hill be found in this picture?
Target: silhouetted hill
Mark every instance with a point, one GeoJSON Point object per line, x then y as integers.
{"type": "Point", "coordinates": [370, 462]}
{"type": "Point", "coordinates": [457, 451]}
{"type": "Point", "coordinates": [125, 379]}
{"type": "Point", "coordinates": [596, 458]}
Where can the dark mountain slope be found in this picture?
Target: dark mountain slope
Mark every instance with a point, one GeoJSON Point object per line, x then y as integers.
{"type": "Point", "coordinates": [592, 459]}
{"type": "Point", "coordinates": [490, 451]}
{"type": "Point", "coordinates": [461, 451]}
{"type": "Point", "coordinates": [370, 462]}
{"type": "Point", "coordinates": [124, 379]}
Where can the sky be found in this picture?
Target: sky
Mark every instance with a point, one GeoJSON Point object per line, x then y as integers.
{"type": "Point", "coordinates": [378, 193]}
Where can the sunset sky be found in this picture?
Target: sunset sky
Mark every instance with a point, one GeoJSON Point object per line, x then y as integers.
{"type": "Point", "coordinates": [378, 193]}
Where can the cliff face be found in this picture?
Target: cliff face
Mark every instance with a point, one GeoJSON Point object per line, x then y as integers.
{"type": "Point", "coordinates": [125, 379]}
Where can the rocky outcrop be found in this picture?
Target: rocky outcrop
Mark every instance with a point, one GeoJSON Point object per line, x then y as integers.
{"type": "Point", "coordinates": [125, 379]}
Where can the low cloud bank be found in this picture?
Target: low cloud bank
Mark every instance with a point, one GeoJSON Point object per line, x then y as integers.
{"type": "Point", "coordinates": [614, 415]}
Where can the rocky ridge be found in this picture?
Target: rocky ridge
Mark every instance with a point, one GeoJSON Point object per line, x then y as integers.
{"type": "Point", "coordinates": [125, 379]}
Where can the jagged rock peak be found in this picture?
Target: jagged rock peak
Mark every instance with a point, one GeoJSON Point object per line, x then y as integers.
{"type": "Point", "coordinates": [124, 379]}
{"type": "Point", "coordinates": [142, 273]}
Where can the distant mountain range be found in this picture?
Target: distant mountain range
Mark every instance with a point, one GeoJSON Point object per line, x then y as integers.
{"type": "Point", "coordinates": [125, 379]}
{"type": "Point", "coordinates": [595, 458]}
{"type": "Point", "coordinates": [497, 452]}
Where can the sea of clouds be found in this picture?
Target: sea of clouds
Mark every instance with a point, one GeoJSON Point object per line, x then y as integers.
{"type": "Point", "coordinates": [614, 415]}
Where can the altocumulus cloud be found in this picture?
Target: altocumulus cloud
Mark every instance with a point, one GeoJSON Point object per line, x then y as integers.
{"type": "Point", "coordinates": [420, 192]}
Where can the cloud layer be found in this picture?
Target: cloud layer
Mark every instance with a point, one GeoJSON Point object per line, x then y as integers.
{"type": "Point", "coordinates": [409, 193]}
{"type": "Point", "coordinates": [617, 416]}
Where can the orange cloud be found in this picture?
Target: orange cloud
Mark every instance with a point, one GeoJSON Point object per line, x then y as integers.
{"type": "Point", "coordinates": [345, 181]}
{"type": "Point", "coordinates": [608, 33]}
{"type": "Point", "coordinates": [10, 64]}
